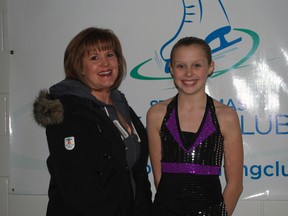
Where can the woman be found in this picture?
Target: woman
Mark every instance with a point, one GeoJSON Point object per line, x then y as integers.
{"type": "Point", "coordinates": [188, 135]}
{"type": "Point", "coordinates": [97, 144]}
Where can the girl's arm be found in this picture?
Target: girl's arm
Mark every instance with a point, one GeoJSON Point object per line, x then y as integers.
{"type": "Point", "coordinates": [233, 158]}
{"type": "Point", "coordinates": [153, 123]}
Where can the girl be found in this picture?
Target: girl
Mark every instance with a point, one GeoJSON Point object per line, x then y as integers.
{"type": "Point", "coordinates": [187, 138]}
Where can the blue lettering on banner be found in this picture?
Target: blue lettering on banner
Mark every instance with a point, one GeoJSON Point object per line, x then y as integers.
{"type": "Point", "coordinates": [277, 124]}
{"type": "Point", "coordinates": [237, 106]}
{"type": "Point", "coordinates": [257, 171]}
{"type": "Point", "coordinates": [280, 121]}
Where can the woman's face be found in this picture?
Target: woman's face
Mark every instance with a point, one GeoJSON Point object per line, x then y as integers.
{"type": "Point", "coordinates": [100, 69]}
{"type": "Point", "coordinates": [190, 69]}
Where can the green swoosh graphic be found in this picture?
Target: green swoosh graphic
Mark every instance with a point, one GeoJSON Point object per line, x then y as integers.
{"type": "Point", "coordinates": [256, 41]}
{"type": "Point", "coordinates": [134, 73]}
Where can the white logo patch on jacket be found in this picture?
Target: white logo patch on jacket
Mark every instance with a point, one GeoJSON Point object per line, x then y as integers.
{"type": "Point", "coordinates": [69, 143]}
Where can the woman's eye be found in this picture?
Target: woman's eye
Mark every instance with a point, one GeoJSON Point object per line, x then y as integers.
{"type": "Point", "coordinates": [110, 54]}
{"type": "Point", "coordinates": [94, 57]}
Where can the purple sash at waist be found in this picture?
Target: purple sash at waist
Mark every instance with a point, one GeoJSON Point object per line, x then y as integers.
{"type": "Point", "coordinates": [190, 168]}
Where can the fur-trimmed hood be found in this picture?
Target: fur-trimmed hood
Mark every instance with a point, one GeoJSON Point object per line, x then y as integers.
{"type": "Point", "coordinates": [47, 111]}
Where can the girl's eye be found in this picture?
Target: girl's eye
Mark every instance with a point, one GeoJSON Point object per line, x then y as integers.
{"type": "Point", "coordinates": [180, 66]}
{"type": "Point", "coordinates": [197, 65]}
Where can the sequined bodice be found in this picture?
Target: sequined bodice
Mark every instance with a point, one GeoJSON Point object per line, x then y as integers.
{"type": "Point", "coordinates": [204, 155]}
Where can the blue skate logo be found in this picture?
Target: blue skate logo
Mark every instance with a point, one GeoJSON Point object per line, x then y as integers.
{"type": "Point", "coordinates": [231, 47]}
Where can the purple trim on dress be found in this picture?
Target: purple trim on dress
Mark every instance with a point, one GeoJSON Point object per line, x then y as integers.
{"type": "Point", "coordinates": [172, 127]}
{"type": "Point", "coordinates": [207, 129]}
{"type": "Point", "coordinates": [190, 168]}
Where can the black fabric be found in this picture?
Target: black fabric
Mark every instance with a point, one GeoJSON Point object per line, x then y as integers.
{"type": "Point", "coordinates": [94, 178]}
{"type": "Point", "coordinates": [187, 137]}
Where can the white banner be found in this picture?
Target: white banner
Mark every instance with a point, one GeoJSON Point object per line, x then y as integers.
{"type": "Point", "coordinates": [249, 45]}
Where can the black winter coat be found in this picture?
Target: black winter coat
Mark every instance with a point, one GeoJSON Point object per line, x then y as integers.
{"type": "Point", "coordinates": [93, 177]}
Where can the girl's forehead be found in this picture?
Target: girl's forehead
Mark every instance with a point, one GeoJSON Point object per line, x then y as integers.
{"type": "Point", "coordinates": [191, 49]}
{"type": "Point", "coordinates": [189, 54]}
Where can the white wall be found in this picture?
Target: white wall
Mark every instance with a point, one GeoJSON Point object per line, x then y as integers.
{"type": "Point", "coordinates": [13, 204]}
{"type": "Point", "coordinates": [4, 97]}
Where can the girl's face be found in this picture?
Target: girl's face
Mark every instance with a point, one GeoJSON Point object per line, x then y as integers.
{"type": "Point", "coordinates": [100, 69]}
{"type": "Point", "coordinates": [190, 69]}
